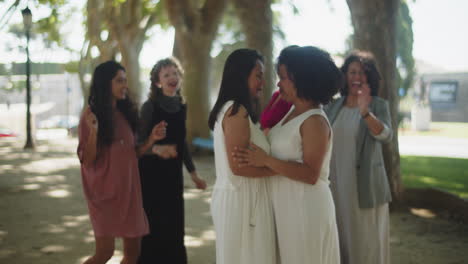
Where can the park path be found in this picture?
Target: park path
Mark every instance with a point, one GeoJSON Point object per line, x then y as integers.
{"type": "Point", "coordinates": [43, 217]}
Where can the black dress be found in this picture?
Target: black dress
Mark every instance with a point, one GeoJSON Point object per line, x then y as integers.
{"type": "Point", "coordinates": [162, 188]}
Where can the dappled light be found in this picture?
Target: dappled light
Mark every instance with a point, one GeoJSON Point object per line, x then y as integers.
{"type": "Point", "coordinates": [73, 221]}
{"type": "Point", "coordinates": [6, 252]}
{"type": "Point", "coordinates": [446, 173]}
{"type": "Point", "coordinates": [193, 241]}
{"type": "Point", "coordinates": [3, 234]}
{"type": "Point", "coordinates": [428, 180]}
{"type": "Point", "coordinates": [208, 235]}
{"type": "Point", "coordinates": [46, 179]}
{"type": "Point", "coordinates": [55, 229]}
{"type": "Point", "coordinates": [53, 249]}
{"type": "Point", "coordinates": [89, 237]}
{"type": "Point", "coordinates": [42, 192]}
{"type": "Point", "coordinates": [50, 165]}
{"type": "Point", "coordinates": [6, 167]}
{"type": "Point", "coordinates": [191, 195]}
{"type": "Point", "coordinates": [58, 193]}
{"type": "Point", "coordinates": [114, 260]}
{"type": "Point", "coordinates": [425, 213]}
{"type": "Point", "coordinates": [30, 187]}
{"type": "Point", "coordinates": [47, 220]}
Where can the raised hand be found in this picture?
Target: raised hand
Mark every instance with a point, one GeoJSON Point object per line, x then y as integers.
{"type": "Point", "coordinates": [158, 132]}
{"type": "Point", "coordinates": [91, 120]}
{"type": "Point", "coordinates": [364, 98]}
{"type": "Point", "coordinates": [250, 156]}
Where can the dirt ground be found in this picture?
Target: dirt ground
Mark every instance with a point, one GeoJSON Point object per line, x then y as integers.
{"type": "Point", "coordinates": [43, 217]}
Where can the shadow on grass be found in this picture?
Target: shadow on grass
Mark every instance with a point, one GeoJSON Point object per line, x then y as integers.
{"type": "Point", "coordinates": [449, 174]}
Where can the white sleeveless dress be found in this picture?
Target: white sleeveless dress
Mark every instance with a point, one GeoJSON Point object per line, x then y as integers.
{"type": "Point", "coordinates": [304, 213]}
{"type": "Point", "coordinates": [241, 207]}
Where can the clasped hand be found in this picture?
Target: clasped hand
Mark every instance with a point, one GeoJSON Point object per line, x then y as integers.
{"type": "Point", "coordinates": [165, 151]}
{"type": "Point", "coordinates": [253, 155]}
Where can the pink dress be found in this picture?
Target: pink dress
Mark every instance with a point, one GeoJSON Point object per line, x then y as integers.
{"type": "Point", "coordinates": [112, 186]}
{"type": "Point", "coordinates": [273, 113]}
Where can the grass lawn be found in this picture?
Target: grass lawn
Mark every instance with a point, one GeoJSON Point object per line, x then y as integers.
{"type": "Point", "coordinates": [449, 174]}
{"type": "Point", "coordinates": [438, 129]}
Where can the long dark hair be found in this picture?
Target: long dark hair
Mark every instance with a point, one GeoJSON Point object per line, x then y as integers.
{"type": "Point", "coordinates": [155, 91]}
{"type": "Point", "coordinates": [100, 101]}
{"type": "Point", "coordinates": [366, 59]}
{"type": "Point", "coordinates": [234, 84]}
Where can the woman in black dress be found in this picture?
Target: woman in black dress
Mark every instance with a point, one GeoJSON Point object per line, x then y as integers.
{"type": "Point", "coordinates": [161, 167]}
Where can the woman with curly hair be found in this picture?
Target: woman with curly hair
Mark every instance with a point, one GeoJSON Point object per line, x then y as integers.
{"type": "Point", "coordinates": [161, 170]}
{"type": "Point", "coordinates": [109, 167]}
{"type": "Point", "coordinates": [361, 122]}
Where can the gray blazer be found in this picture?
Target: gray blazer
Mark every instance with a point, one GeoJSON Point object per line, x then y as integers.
{"type": "Point", "coordinates": [372, 182]}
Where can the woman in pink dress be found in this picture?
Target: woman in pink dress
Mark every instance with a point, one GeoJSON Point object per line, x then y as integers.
{"type": "Point", "coordinates": [109, 167]}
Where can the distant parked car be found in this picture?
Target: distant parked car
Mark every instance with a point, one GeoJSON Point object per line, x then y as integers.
{"type": "Point", "coordinates": [59, 121]}
{"type": "Point", "coordinates": [6, 132]}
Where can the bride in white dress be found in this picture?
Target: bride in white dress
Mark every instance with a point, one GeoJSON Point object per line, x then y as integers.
{"type": "Point", "coordinates": [240, 206]}
{"type": "Point", "coordinates": [301, 146]}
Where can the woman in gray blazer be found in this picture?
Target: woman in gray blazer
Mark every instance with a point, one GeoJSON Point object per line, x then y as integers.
{"type": "Point", "coordinates": [361, 123]}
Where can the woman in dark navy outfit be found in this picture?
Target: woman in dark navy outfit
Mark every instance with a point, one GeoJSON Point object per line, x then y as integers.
{"type": "Point", "coordinates": [161, 168]}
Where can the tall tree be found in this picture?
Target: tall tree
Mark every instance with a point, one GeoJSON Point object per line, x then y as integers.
{"type": "Point", "coordinates": [374, 23]}
{"type": "Point", "coordinates": [257, 23]}
{"type": "Point", "coordinates": [127, 22]}
{"type": "Point", "coordinates": [97, 33]}
{"type": "Point", "coordinates": [196, 24]}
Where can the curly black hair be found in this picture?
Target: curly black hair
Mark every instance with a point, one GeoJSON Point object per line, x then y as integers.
{"type": "Point", "coordinates": [234, 84]}
{"type": "Point", "coordinates": [100, 102]}
{"type": "Point", "coordinates": [366, 59]}
{"type": "Point", "coordinates": [313, 72]}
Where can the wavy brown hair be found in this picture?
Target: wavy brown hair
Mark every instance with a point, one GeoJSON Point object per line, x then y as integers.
{"type": "Point", "coordinates": [155, 91]}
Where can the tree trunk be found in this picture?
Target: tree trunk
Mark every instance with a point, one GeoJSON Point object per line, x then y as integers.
{"type": "Point", "coordinates": [257, 23]}
{"type": "Point", "coordinates": [196, 86]}
{"type": "Point", "coordinates": [128, 22]}
{"type": "Point", "coordinates": [107, 47]}
{"type": "Point", "coordinates": [374, 23]}
{"type": "Point", "coordinates": [176, 51]}
{"type": "Point", "coordinates": [195, 30]}
{"type": "Point", "coordinates": [130, 49]}
{"type": "Point", "coordinates": [87, 63]}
